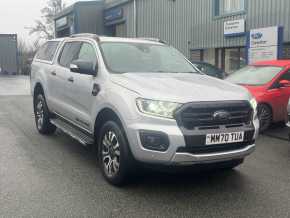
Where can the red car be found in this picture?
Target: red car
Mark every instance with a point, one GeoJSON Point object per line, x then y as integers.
{"type": "Point", "coordinates": [269, 83]}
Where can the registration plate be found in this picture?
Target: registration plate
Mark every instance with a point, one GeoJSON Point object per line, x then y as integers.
{"type": "Point", "coordinates": [224, 138]}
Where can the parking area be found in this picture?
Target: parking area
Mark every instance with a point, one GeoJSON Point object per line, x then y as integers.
{"type": "Point", "coordinates": [55, 176]}
{"type": "Point", "coordinates": [14, 85]}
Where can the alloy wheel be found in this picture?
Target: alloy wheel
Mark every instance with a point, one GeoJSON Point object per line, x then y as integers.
{"type": "Point", "coordinates": [39, 114]}
{"type": "Point", "coordinates": [110, 153]}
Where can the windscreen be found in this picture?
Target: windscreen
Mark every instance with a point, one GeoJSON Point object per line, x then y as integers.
{"type": "Point", "coordinates": [122, 57]}
{"type": "Point", "coordinates": [254, 75]}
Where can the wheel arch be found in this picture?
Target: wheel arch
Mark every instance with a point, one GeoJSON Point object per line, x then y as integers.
{"type": "Point", "coordinates": [104, 115]}
{"type": "Point", "coordinates": [38, 88]}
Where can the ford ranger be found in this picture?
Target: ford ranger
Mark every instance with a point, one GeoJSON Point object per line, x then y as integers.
{"type": "Point", "coordinates": [140, 101]}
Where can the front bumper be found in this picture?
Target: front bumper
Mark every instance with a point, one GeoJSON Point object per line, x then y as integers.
{"type": "Point", "coordinates": [177, 153]}
{"type": "Point", "coordinates": [189, 159]}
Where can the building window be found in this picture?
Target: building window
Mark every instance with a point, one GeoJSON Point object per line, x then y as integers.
{"type": "Point", "coordinates": [286, 51]}
{"type": "Point", "coordinates": [196, 55]}
{"type": "Point", "coordinates": [225, 7]}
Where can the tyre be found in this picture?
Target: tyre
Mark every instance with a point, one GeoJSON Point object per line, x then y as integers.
{"type": "Point", "coordinates": [42, 116]}
{"type": "Point", "coordinates": [265, 117]}
{"type": "Point", "coordinates": [114, 157]}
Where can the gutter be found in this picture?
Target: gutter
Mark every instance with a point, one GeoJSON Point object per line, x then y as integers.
{"type": "Point", "coordinates": [135, 18]}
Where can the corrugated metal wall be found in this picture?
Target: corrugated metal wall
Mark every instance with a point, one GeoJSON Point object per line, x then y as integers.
{"type": "Point", "coordinates": [167, 20]}
{"type": "Point", "coordinates": [207, 30]}
{"type": "Point", "coordinates": [129, 17]}
{"type": "Point", "coordinates": [190, 24]}
{"type": "Point", "coordinates": [8, 53]}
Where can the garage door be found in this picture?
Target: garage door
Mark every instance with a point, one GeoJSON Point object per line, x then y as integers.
{"type": "Point", "coordinates": [196, 55]}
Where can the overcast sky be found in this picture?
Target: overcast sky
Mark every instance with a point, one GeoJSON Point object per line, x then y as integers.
{"type": "Point", "coordinates": [15, 15]}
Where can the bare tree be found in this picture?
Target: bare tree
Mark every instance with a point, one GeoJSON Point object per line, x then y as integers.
{"type": "Point", "coordinates": [25, 56]}
{"type": "Point", "coordinates": [44, 27]}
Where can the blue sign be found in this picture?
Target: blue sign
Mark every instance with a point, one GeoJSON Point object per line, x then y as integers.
{"type": "Point", "coordinates": [113, 14]}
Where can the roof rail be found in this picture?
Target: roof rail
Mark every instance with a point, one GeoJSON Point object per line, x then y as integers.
{"type": "Point", "coordinates": [89, 35]}
{"type": "Point", "coordinates": [154, 40]}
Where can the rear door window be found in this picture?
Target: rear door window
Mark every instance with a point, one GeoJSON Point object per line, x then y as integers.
{"type": "Point", "coordinates": [47, 51]}
{"type": "Point", "coordinates": [69, 53]}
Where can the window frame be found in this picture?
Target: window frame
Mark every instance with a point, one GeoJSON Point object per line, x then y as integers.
{"type": "Point", "coordinates": [62, 50]}
{"type": "Point", "coordinates": [275, 84]}
{"type": "Point", "coordinates": [59, 54]}
{"type": "Point", "coordinates": [54, 55]}
{"type": "Point", "coordinates": [217, 14]}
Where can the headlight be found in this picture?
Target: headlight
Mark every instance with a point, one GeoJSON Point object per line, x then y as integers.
{"type": "Point", "coordinates": [254, 105]}
{"type": "Point", "coordinates": [157, 108]}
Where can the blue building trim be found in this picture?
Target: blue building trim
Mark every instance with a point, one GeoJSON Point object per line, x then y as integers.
{"type": "Point", "coordinates": [115, 22]}
{"type": "Point", "coordinates": [280, 42]}
{"type": "Point", "coordinates": [235, 34]}
{"type": "Point", "coordinates": [113, 14]}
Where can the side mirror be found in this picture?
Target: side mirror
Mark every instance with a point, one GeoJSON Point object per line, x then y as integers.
{"type": "Point", "coordinates": [284, 83]}
{"type": "Point", "coordinates": [83, 67]}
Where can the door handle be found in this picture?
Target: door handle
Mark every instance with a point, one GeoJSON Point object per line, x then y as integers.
{"type": "Point", "coordinates": [53, 73]}
{"type": "Point", "coordinates": [71, 79]}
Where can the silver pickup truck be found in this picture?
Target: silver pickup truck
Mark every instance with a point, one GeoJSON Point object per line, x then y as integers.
{"type": "Point", "coordinates": [140, 101]}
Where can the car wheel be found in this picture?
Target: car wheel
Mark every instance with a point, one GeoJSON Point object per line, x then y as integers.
{"type": "Point", "coordinates": [42, 116]}
{"type": "Point", "coordinates": [114, 156]}
{"type": "Point", "coordinates": [265, 117]}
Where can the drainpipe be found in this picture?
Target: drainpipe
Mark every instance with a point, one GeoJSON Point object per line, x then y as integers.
{"type": "Point", "coordinates": [135, 18]}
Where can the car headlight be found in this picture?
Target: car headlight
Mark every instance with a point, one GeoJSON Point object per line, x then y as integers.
{"type": "Point", "coordinates": [254, 105]}
{"type": "Point", "coordinates": [157, 108]}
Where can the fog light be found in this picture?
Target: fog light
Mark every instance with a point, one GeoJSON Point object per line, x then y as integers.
{"type": "Point", "coordinates": [156, 141]}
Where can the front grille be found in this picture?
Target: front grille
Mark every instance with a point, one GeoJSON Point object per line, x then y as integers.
{"type": "Point", "coordinates": [201, 115]}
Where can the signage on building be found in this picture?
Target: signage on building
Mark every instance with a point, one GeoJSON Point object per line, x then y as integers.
{"type": "Point", "coordinates": [265, 44]}
{"type": "Point", "coordinates": [234, 27]}
{"type": "Point", "coordinates": [61, 22]}
{"type": "Point", "coordinates": [113, 14]}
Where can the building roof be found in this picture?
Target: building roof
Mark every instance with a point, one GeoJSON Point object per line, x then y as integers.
{"type": "Point", "coordinates": [115, 3]}
{"type": "Point", "coordinates": [278, 63]}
